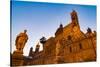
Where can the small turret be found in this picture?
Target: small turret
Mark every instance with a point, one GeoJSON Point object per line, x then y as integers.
{"type": "Point", "coordinates": [59, 30]}
{"type": "Point", "coordinates": [31, 51]}
{"type": "Point", "coordinates": [89, 32]}
{"type": "Point", "coordinates": [37, 48]}
{"type": "Point", "coordinates": [61, 26]}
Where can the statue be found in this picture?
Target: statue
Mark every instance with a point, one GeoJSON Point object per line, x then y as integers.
{"type": "Point", "coordinates": [43, 40]}
{"type": "Point", "coordinates": [20, 41]}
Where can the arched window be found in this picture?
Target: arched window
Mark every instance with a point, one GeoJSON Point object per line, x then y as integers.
{"type": "Point", "coordinates": [70, 49]}
{"type": "Point", "coordinates": [80, 45]}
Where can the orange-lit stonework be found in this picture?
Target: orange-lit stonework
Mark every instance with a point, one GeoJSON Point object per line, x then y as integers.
{"type": "Point", "coordinates": [69, 45]}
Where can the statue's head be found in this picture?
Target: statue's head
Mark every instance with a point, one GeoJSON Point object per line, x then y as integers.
{"type": "Point", "coordinates": [25, 31]}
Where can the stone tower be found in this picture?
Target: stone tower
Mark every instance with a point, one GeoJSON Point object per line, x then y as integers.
{"type": "Point", "coordinates": [74, 19]}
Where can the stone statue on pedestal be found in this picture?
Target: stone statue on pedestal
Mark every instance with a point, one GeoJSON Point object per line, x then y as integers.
{"type": "Point", "coordinates": [20, 41]}
{"type": "Point", "coordinates": [17, 56]}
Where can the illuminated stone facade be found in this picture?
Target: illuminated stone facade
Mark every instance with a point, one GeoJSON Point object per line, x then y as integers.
{"type": "Point", "coordinates": [69, 45]}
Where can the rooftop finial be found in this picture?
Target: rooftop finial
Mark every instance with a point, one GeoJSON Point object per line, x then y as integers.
{"type": "Point", "coordinates": [61, 26]}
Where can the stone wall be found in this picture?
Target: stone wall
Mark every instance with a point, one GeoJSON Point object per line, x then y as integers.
{"type": "Point", "coordinates": [77, 53]}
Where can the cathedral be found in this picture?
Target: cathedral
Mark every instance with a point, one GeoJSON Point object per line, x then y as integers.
{"type": "Point", "coordinates": [69, 45]}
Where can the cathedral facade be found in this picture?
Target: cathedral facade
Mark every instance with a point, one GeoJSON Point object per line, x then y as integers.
{"type": "Point", "coordinates": [69, 45]}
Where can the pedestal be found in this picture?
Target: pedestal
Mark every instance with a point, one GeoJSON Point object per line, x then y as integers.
{"type": "Point", "coordinates": [17, 59]}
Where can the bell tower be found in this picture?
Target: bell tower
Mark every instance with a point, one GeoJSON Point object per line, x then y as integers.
{"type": "Point", "coordinates": [74, 18]}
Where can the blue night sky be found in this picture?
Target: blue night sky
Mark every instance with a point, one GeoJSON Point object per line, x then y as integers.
{"type": "Point", "coordinates": [42, 19]}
